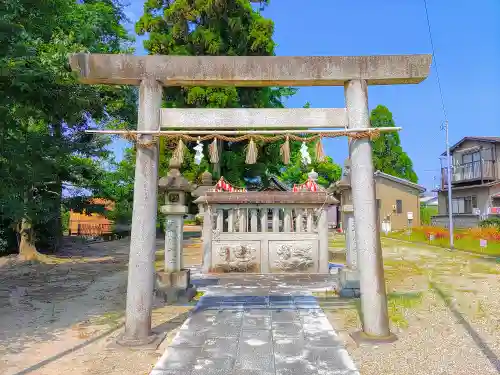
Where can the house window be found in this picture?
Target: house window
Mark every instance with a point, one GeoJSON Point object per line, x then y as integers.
{"type": "Point", "coordinates": [399, 206]}
{"type": "Point", "coordinates": [471, 158]}
{"type": "Point", "coordinates": [463, 205]}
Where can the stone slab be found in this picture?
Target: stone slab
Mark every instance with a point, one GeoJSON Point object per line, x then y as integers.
{"type": "Point", "coordinates": [150, 345]}
{"type": "Point", "coordinates": [349, 279]}
{"type": "Point", "coordinates": [180, 279]}
{"type": "Point", "coordinates": [256, 323]}
{"type": "Point", "coordinates": [360, 338]}
{"type": "Point", "coordinates": [250, 71]}
{"type": "Point", "coordinates": [256, 351]}
{"type": "Point", "coordinates": [224, 118]}
{"type": "Point", "coordinates": [171, 209]}
{"type": "Point", "coordinates": [220, 348]}
{"type": "Point", "coordinates": [350, 293]}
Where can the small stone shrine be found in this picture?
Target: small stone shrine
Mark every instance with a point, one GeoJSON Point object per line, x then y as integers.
{"type": "Point", "coordinates": [266, 231]}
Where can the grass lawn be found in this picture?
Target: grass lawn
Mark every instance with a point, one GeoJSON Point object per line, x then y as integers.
{"type": "Point", "coordinates": [464, 241]}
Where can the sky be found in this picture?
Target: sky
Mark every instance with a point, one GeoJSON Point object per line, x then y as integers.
{"type": "Point", "coordinates": [466, 36]}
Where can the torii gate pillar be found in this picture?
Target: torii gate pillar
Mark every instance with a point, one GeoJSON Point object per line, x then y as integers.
{"type": "Point", "coordinates": [372, 283]}
{"type": "Point", "coordinates": [143, 234]}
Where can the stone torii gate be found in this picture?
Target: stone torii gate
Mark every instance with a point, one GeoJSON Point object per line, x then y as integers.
{"type": "Point", "coordinates": [151, 73]}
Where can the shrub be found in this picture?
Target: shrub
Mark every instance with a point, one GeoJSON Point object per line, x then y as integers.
{"type": "Point", "coordinates": [492, 222]}
{"type": "Point", "coordinates": [426, 213]}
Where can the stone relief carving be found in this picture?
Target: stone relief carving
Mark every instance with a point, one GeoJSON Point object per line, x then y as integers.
{"type": "Point", "coordinates": [294, 258]}
{"type": "Point", "coordinates": [237, 258]}
{"type": "Point", "coordinates": [216, 235]}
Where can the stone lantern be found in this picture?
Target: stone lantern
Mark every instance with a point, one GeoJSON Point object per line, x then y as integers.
{"type": "Point", "coordinates": [174, 187]}
{"type": "Point", "coordinates": [347, 209]}
{"type": "Point", "coordinates": [207, 183]}
{"type": "Point", "coordinates": [349, 277]}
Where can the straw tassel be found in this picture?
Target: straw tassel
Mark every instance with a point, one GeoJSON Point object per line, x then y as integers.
{"type": "Point", "coordinates": [285, 151]}
{"type": "Point", "coordinates": [251, 157]}
{"type": "Point", "coordinates": [179, 151]}
{"type": "Point", "coordinates": [213, 152]}
{"type": "Point", "coordinates": [320, 153]}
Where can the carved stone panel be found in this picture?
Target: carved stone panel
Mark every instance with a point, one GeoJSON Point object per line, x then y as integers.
{"type": "Point", "coordinates": [293, 256]}
{"type": "Point", "coordinates": [236, 256]}
{"type": "Point", "coordinates": [173, 243]}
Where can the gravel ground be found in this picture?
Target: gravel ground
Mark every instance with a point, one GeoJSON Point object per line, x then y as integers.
{"type": "Point", "coordinates": [443, 307]}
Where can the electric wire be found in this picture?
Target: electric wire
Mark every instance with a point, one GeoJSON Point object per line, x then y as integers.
{"type": "Point", "coordinates": [444, 127]}
{"type": "Point", "coordinates": [434, 60]}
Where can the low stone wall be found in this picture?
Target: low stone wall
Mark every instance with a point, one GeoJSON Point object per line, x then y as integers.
{"type": "Point", "coordinates": [459, 221]}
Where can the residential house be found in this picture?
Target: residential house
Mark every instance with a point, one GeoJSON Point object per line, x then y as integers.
{"type": "Point", "coordinates": [398, 200]}
{"type": "Point", "coordinates": [429, 201]}
{"type": "Point", "coordinates": [475, 182]}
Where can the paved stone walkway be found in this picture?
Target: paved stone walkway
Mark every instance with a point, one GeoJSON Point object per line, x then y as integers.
{"type": "Point", "coordinates": [258, 325]}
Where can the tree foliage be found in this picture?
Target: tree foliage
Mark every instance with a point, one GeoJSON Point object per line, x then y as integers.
{"type": "Point", "coordinates": [297, 173]}
{"type": "Point", "coordinates": [222, 27]}
{"type": "Point", "coordinates": [388, 155]}
{"type": "Point", "coordinates": [44, 110]}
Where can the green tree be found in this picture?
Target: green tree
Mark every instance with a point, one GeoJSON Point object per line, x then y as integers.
{"type": "Point", "coordinates": [388, 155]}
{"type": "Point", "coordinates": [223, 27]}
{"type": "Point", "coordinates": [297, 172]}
{"type": "Point", "coordinates": [44, 110]}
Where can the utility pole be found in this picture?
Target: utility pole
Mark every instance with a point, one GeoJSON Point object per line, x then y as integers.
{"type": "Point", "coordinates": [448, 170]}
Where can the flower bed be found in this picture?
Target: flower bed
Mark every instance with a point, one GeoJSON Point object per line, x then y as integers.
{"type": "Point", "coordinates": [464, 239]}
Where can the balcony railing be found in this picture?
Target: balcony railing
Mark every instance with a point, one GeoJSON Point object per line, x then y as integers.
{"type": "Point", "coordinates": [478, 170]}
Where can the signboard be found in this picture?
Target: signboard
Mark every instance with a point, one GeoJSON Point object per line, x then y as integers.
{"type": "Point", "coordinates": [494, 210]}
{"type": "Point", "coordinates": [410, 215]}
{"type": "Point", "coordinates": [476, 211]}
{"type": "Point", "coordinates": [483, 243]}
{"type": "Point", "coordinates": [347, 208]}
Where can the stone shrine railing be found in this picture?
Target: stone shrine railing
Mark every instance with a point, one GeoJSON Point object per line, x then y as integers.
{"type": "Point", "coordinates": [265, 232]}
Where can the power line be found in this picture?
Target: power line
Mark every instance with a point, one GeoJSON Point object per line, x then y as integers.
{"type": "Point", "coordinates": [445, 128]}
{"type": "Point", "coordinates": [434, 60]}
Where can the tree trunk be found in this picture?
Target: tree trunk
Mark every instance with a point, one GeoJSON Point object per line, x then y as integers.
{"type": "Point", "coordinates": [217, 168]}
{"type": "Point", "coordinates": [27, 248]}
